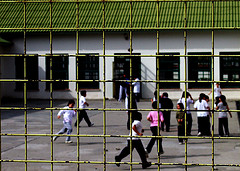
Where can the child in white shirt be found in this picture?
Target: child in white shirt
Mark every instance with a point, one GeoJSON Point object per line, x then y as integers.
{"type": "Point", "coordinates": [67, 120]}
{"type": "Point", "coordinates": [136, 143]}
{"type": "Point", "coordinates": [202, 114]}
{"type": "Point", "coordinates": [83, 114]}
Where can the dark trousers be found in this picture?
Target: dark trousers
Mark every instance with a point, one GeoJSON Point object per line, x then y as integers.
{"type": "Point", "coordinates": [135, 144]}
{"type": "Point", "coordinates": [189, 124]}
{"type": "Point", "coordinates": [223, 123]}
{"type": "Point", "coordinates": [152, 141]}
{"type": "Point", "coordinates": [181, 132]}
{"type": "Point", "coordinates": [137, 96]}
{"type": "Point", "coordinates": [167, 118]}
{"type": "Point", "coordinates": [203, 125]}
{"type": "Point", "coordinates": [208, 126]}
{"type": "Point", "coordinates": [83, 114]}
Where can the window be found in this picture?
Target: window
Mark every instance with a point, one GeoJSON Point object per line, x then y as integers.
{"type": "Point", "coordinates": [229, 69]}
{"type": "Point", "coordinates": [199, 69]}
{"type": "Point", "coordinates": [31, 71]}
{"type": "Point", "coordinates": [88, 69]}
{"type": "Point", "coordinates": [122, 66]}
{"type": "Point", "coordinates": [59, 71]}
{"type": "Point", "coordinates": [169, 70]}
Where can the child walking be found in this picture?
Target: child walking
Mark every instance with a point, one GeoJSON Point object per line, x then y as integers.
{"type": "Point", "coordinates": [83, 114]}
{"type": "Point", "coordinates": [222, 117]}
{"type": "Point", "coordinates": [67, 120]}
{"type": "Point", "coordinates": [153, 118]}
{"type": "Point", "coordinates": [136, 143]}
{"type": "Point", "coordinates": [180, 120]}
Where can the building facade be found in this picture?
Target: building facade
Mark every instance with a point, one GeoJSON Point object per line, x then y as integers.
{"type": "Point", "coordinates": [191, 55]}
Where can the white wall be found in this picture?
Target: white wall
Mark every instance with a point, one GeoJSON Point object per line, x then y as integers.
{"type": "Point", "coordinates": [143, 43]}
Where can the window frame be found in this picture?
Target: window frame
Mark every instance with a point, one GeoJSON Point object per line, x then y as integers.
{"type": "Point", "coordinates": [32, 65]}
{"type": "Point", "coordinates": [224, 68]}
{"type": "Point", "coordinates": [82, 70]}
{"type": "Point", "coordinates": [193, 66]}
{"type": "Point", "coordinates": [165, 70]}
{"type": "Point", "coordinates": [63, 85]}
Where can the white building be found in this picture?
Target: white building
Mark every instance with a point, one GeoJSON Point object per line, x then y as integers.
{"type": "Point", "coordinates": [173, 43]}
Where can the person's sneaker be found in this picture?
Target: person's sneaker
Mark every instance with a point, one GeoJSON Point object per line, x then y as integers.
{"type": "Point", "coordinates": [180, 143]}
{"type": "Point", "coordinates": [146, 153]}
{"type": "Point", "coordinates": [117, 160]}
{"type": "Point", "coordinates": [91, 125]}
{"type": "Point", "coordinates": [68, 142]}
{"type": "Point", "coordinates": [199, 134]}
{"type": "Point", "coordinates": [146, 165]}
{"type": "Point", "coordinates": [161, 152]}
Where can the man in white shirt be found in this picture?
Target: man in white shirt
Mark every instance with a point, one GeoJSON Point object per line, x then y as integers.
{"type": "Point", "coordinates": [136, 89]}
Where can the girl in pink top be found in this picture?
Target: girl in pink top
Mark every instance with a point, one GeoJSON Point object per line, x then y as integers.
{"type": "Point", "coordinates": [153, 118]}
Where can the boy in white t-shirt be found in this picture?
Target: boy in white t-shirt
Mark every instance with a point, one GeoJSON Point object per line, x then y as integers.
{"type": "Point", "coordinates": [136, 143]}
{"type": "Point", "coordinates": [67, 120]}
{"type": "Point", "coordinates": [202, 114]}
{"type": "Point", "coordinates": [83, 114]}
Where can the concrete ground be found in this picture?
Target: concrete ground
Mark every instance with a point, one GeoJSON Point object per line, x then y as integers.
{"type": "Point", "coordinates": [226, 151]}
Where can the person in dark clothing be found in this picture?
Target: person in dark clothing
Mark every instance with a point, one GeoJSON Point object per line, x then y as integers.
{"type": "Point", "coordinates": [166, 103]}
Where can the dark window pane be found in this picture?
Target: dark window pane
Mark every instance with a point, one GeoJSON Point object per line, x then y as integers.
{"type": "Point", "coordinates": [122, 66]}
{"type": "Point", "coordinates": [31, 71]}
{"type": "Point", "coordinates": [199, 69]}
{"type": "Point", "coordinates": [229, 69]}
{"type": "Point", "coordinates": [88, 70]}
{"type": "Point", "coordinates": [169, 69]}
{"type": "Point", "coordinates": [59, 71]}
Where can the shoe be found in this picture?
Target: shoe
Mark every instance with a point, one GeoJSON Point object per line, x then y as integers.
{"type": "Point", "coordinates": [199, 134]}
{"type": "Point", "coordinates": [146, 165]}
{"type": "Point", "coordinates": [117, 160]}
{"type": "Point", "coordinates": [180, 143]}
{"type": "Point", "coordinates": [75, 124]}
{"type": "Point", "coordinates": [146, 153]}
{"type": "Point", "coordinates": [161, 152]}
{"type": "Point", "coordinates": [54, 138]}
{"type": "Point", "coordinates": [68, 142]}
{"type": "Point", "coordinates": [91, 125]}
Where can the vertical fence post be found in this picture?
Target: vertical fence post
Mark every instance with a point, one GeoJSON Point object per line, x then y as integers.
{"type": "Point", "coordinates": [77, 83]}
{"type": "Point", "coordinates": [158, 85]}
{"type": "Point", "coordinates": [51, 78]}
{"type": "Point", "coordinates": [25, 86]}
{"type": "Point", "coordinates": [104, 88]}
{"type": "Point", "coordinates": [212, 70]}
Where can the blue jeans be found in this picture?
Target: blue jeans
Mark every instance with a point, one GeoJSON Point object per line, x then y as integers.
{"type": "Point", "coordinates": [67, 127]}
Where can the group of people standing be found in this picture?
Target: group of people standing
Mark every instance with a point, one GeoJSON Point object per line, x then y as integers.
{"type": "Point", "coordinates": [159, 119]}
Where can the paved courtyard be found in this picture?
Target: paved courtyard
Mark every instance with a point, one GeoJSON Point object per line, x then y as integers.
{"type": "Point", "coordinates": [226, 151]}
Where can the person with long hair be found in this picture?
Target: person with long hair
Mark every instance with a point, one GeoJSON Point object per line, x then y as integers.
{"type": "Point", "coordinates": [189, 100]}
{"type": "Point", "coordinates": [223, 117]}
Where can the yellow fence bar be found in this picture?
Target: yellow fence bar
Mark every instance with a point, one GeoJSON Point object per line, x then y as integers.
{"type": "Point", "coordinates": [96, 1]}
{"type": "Point", "coordinates": [104, 109]}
